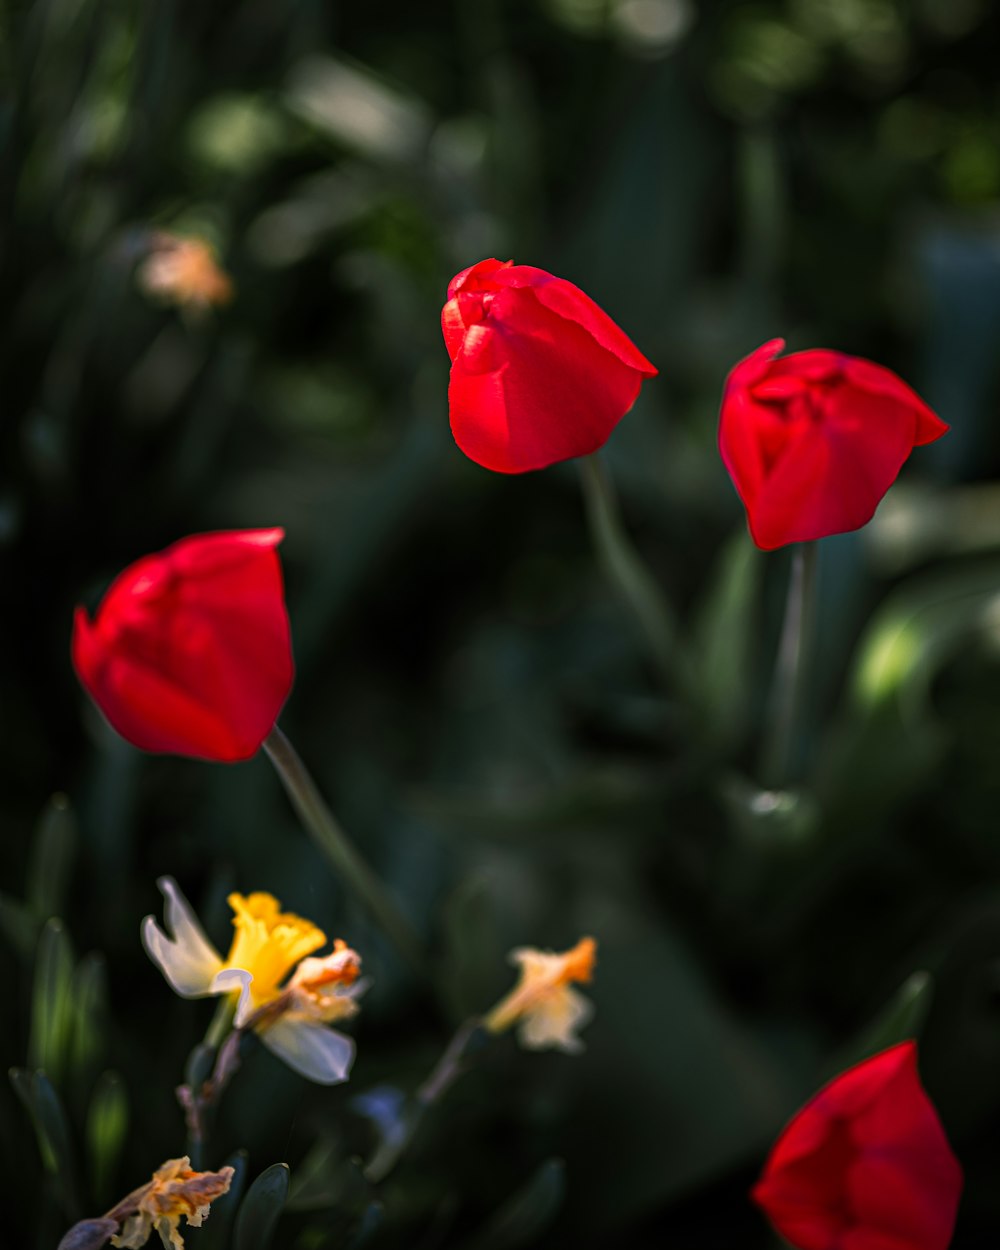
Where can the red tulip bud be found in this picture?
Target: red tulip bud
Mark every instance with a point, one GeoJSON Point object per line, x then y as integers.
{"type": "Point", "coordinates": [814, 440]}
{"type": "Point", "coordinates": [539, 373]}
{"type": "Point", "coordinates": [190, 649]}
{"type": "Point", "coordinates": [865, 1165]}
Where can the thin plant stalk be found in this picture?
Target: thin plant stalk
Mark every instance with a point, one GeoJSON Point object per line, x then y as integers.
{"type": "Point", "coordinates": [445, 1073]}
{"type": "Point", "coordinates": [787, 684]}
{"type": "Point", "coordinates": [330, 838]}
{"type": "Point", "coordinates": [632, 579]}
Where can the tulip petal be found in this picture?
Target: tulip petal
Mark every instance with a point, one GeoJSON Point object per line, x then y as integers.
{"type": "Point", "coordinates": [317, 1052]}
{"type": "Point", "coordinates": [190, 651]}
{"type": "Point", "coordinates": [575, 306]}
{"type": "Point", "coordinates": [539, 372]}
{"type": "Point", "coordinates": [865, 1164]}
{"type": "Point", "coordinates": [186, 957]}
{"type": "Point", "coordinates": [530, 389]}
{"type": "Point", "coordinates": [814, 440]}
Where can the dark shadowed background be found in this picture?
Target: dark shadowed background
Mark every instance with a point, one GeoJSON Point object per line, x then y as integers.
{"type": "Point", "coordinates": [470, 696]}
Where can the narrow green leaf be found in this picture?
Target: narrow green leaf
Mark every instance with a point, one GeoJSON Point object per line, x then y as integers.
{"type": "Point", "coordinates": [725, 636]}
{"type": "Point", "coordinates": [23, 1083]}
{"type": "Point", "coordinates": [19, 925]}
{"type": "Point", "coordinates": [52, 855]}
{"type": "Point", "coordinates": [107, 1123]}
{"type": "Point", "coordinates": [54, 1124]}
{"type": "Point", "coordinates": [261, 1208]}
{"type": "Point", "coordinates": [52, 1002]}
{"type": "Point", "coordinates": [215, 1233]}
{"type": "Point", "coordinates": [318, 1180]}
{"type": "Point", "coordinates": [901, 1018]}
{"type": "Point", "coordinates": [48, 1118]}
{"type": "Point", "coordinates": [371, 1221]}
{"type": "Point", "coordinates": [90, 1001]}
{"type": "Point", "coordinates": [528, 1212]}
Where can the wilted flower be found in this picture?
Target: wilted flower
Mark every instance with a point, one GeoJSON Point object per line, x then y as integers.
{"type": "Point", "coordinates": [184, 271]}
{"type": "Point", "coordinates": [190, 649]}
{"type": "Point", "coordinates": [813, 440]}
{"type": "Point", "coordinates": [865, 1164]}
{"type": "Point", "coordinates": [174, 1191]}
{"type": "Point", "coordinates": [286, 998]}
{"type": "Point", "coordinates": [539, 373]}
{"type": "Point", "coordinates": [544, 1006]}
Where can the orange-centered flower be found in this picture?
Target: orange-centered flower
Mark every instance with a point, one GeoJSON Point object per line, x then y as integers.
{"type": "Point", "coordinates": [544, 1006]}
{"type": "Point", "coordinates": [285, 997]}
{"type": "Point", "coordinates": [184, 271]}
{"type": "Point", "coordinates": [174, 1191]}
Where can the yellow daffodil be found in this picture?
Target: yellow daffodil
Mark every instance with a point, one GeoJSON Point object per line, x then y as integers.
{"type": "Point", "coordinates": [288, 999]}
{"type": "Point", "coordinates": [544, 1006]}
{"type": "Point", "coordinates": [184, 271]}
{"type": "Point", "coordinates": [157, 1206]}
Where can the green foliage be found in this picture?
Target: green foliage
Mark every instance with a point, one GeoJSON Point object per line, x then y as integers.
{"type": "Point", "coordinates": [260, 1209]}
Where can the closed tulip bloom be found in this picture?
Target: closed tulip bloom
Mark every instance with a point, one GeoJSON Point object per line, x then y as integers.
{"type": "Point", "coordinates": [814, 440]}
{"type": "Point", "coordinates": [539, 373]}
{"type": "Point", "coordinates": [190, 649]}
{"type": "Point", "coordinates": [865, 1165]}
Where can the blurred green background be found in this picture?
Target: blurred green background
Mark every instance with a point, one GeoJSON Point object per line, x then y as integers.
{"type": "Point", "coordinates": [470, 695]}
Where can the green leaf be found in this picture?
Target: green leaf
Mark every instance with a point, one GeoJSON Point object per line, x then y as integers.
{"type": "Point", "coordinates": [52, 1002]}
{"type": "Point", "coordinates": [901, 1018]}
{"type": "Point", "coordinates": [44, 1107]}
{"type": "Point", "coordinates": [52, 856]}
{"type": "Point", "coordinates": [527, 1214]}
{"type": "Point", "coordinates": [371, 1222]}
{"type": "Point", "coordinates": [261, 1208]}
{"type": "Point", "coordinates": [215, 1233]}
{"type": "Point", "coordinates": [19, 924]}
{"type": "Point", "coordinates": [318, 1181]}
{"type": "Point", "coordinates": [90, 1001]}
{"type": "Point", "coordinates": [107, 1123]}
{"type": "Point", "coordinates": [725, 637]}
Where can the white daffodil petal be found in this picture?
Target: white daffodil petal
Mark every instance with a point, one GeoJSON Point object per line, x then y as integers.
{"type": "Point", "coordinates": [230, 979]}
{"type": "Point", "coordinates": [189, 971]}
{"type": "Point", "coordinates": [316, 1052]}
{"type": "Point", "coordinates": [183, 924]}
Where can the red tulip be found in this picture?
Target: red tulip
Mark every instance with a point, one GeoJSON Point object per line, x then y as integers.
{"type": "Point", "coordinates": [539, 373]}
{"type": "Point", "coordinates": [865, 1165]}
{"type": "Point", "coordinates": [814, 440]}
{"type": "Point", "coordinates": [190, 650]}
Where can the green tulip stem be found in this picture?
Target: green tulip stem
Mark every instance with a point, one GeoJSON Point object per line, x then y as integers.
{"type": "Point", "coordinates": [632, 579]}
{"type": "Point", "coordinates": [335, 846]}
{"type": "Point", "coordinates": [787, 684]}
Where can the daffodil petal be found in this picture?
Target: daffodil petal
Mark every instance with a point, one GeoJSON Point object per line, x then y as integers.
{"type": "Point", "coordinates": [186, 957]}
{"type": "Point", "coordinates": [555, 1021]}
{"type": "Point", "coordinates": [230, 979]}
{"type": "Point", "coordinates": [314, 1051]}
